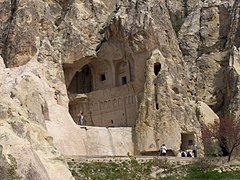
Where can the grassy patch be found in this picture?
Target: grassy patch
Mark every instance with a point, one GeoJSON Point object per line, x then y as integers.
{"type": "Point", "coordinates": [147, 170]}
{"type": "Point", "coordinates": [195, 172]}
{"type": "Point", "coordinates": [126, 169]}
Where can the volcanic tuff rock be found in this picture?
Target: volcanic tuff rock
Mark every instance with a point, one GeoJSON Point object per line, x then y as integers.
{"type": "Point", "coordinates": [195, 42]}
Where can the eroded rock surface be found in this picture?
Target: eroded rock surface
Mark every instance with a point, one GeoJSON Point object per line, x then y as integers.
{"type": "Point", "coordinates": [142, 64]}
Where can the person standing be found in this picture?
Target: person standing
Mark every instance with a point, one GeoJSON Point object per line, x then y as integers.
{"type": "Point", "coordinates": [111, 124]}
{"type": "Point", "coordinates": [81, 119]}
{"type": "Point", "coordinates": [163, 150]}
{"type": "Point", "coordinates": [195, 150]}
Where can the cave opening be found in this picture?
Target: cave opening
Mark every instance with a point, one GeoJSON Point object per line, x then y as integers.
{"type": "Point", "coordinates": [81, 82]}
{"type": "Point", "coordinates": [187, 141]}
{"type": "Point", "coordinates": [157, 68]}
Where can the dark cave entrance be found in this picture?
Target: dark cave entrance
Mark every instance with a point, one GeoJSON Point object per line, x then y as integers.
{"type": "Point", "coordinates": [157, 68]}
{"type": "Point", "coordinates": [81, 82]}
{"type": "Point", "coordinates": [187, 141]}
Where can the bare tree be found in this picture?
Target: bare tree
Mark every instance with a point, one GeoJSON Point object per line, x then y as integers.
{"type": "Point", "coordinates": [227, 132]}
{"type": "Point", "coordinates": [210, 142]}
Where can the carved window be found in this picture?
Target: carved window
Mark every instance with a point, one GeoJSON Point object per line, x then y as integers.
{"type": "Point", "coordinates": [190, 142]}
{"type": "Point", "coordinates": [102, 77]}
{"type": "Point", "coordinates": [124, 80]}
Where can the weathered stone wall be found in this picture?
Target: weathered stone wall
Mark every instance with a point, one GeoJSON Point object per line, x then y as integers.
{"type": "Point", "coordinates": [203, 38]}
{"type": "Point", "coordinates": [25, 139]}
{"type": "Point", "coordinates": [193, 41]}
{"type": "Point", "coordinates": [117, 104]}
{"type": "Point", "coordinates": [101, 141]}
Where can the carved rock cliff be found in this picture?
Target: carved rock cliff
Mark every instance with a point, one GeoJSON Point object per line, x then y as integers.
{"type": "Point", "coordinates": [168, 67]}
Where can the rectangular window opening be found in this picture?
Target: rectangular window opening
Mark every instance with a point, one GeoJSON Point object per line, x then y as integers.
{"type": "Point", "coordinates": [102, 77]}
{"type": "Point", "coordinates": [190, 142]}
{"type": "Point", "coordinates": [124, 80]}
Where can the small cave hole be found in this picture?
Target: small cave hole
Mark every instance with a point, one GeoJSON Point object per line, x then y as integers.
{"type": "Point", "coordinates": [157, 68]}
{"type": "Point", "coordinates": [157, 106]}
{"type": "Point", "coordinates": [176, 90]}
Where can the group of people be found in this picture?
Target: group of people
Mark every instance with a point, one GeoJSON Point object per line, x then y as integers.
{"type": "Point", "coordinates": [185, 153]}
{"type": "Point", "coordinates": [163, 151]}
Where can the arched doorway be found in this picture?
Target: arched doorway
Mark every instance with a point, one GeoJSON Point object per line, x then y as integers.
{"type": "Point", "coordinates": [82, 81]}
{"type": "Point", "coordinates": [122, 73]}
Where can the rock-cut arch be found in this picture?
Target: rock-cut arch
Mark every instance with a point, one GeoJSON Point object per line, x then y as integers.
{"type": "Point", "coordinates": [122, 73]}
{"type": "Point", "coordinates": [82, 81]}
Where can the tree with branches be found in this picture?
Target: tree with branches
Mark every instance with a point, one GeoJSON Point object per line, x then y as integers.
{"type": "Point", "coordinates": [226, 132]}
